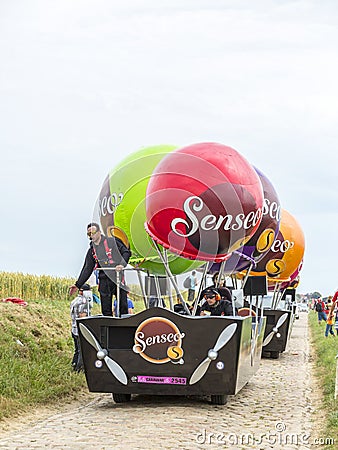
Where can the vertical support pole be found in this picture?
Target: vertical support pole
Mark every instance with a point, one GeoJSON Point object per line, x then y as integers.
{"type": "Point", "coordinates": [247, 275]}
{"type": "Point", "coordinates": [88, 306]}
{"type": "Point", "coordinates": [149, 289]}
{"type": "Point", "coordinates": [142, 288]}
{"type": "Point", "coordinates": [275, 292]}
{"type": "Point", "coordinates": [234, 281]}
{"type": "Point", "coordinates": [171, 303]}
{"type": "Point", "coordinates": [262, 308]}
{"type": "Point", "coordinates": [233, 306]}
{"type": "Point", "coordinates": [205, 271]}
{"type": "Point", "coordinates": [118, 294]}
{"type": "Point", "coordinates": [171, 277]}
{"type": "Point", "coordinates": [158, 292]}
{"type": "Point", "coordinates": [220, 274]}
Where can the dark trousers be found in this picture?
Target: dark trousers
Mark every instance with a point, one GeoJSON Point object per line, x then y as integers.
{"type": "Point", "coordinates": [191, 295]}
{"type": "Point", "coordinates": [108, 288]}
{"type": "Point", "coordinates": [328, 330]}
{"type": "Point", "coordinates": [77, 357]}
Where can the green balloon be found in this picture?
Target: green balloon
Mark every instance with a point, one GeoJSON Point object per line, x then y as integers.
{"type": "Point", "coordinates": [128, 183]}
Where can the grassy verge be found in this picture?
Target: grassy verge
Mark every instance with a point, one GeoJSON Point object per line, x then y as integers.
{"type": "Point", "coordinates": [35, 355]}
{"type": "Point", "coordinates": [326, 350]}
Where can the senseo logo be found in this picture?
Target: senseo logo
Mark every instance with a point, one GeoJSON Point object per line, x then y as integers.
{"type": "Point", "coordinates": [108, 204]}
{"type": "Point", "coordinates": [158, 340]}
{"type": "Point", "coordinates": [273, 209]}
{"type": "Point", "coordinates": [211, 222]}
{"type": "Point", "coordinates": [281, 246]}
{"type": "Point", "coordinates": [275, 267]}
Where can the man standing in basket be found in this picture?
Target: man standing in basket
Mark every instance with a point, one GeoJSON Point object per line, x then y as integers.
{"type": "Point", "coordinates": [104, 253]}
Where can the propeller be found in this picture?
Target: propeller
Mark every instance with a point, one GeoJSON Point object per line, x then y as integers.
{"type": "Point", "coordinates": [102, 353]}
{"type": "Point", "coordinates": [222, 340]}
{"type": "Point", "coordinates": [274, 331]}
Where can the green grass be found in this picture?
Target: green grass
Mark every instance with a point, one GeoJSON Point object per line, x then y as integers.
{"type": "Point", "coordinates": [36, 352]}
{"type": "Point", "coordinates": [326, 350]}
{"type": "Point", "coordinates": [35, 355]}
{"type": "Point", "coordinates": [38, 371]}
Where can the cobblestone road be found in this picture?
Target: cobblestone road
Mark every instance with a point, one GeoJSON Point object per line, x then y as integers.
{"type": "Point", "coordinates": [274, 409]}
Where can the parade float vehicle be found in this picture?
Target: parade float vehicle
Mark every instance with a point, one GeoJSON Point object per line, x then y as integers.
{"type": "Point", "coordinates": [181, 209]}
{"type": "Point", "coordinates": [159, 352]}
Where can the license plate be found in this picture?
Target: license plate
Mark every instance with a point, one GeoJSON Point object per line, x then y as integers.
{"type": "Point", "coordinates": [161, 380]}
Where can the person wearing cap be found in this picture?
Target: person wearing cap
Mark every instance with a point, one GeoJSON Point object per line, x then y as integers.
{"type": "Point", "coordinates": [214, 305]}
{"type": "Point", "coordinates": [105, 253]}
{"type": "Point", "coordinates": [79, 307]}
{"type": "Point", "coordinates": [220, 287]}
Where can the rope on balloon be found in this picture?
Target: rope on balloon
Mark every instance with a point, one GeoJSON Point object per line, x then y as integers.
{"type": "Point", "coordinates": [146, 257]}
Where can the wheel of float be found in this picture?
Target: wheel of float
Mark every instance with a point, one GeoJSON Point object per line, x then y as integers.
{"type": "Point", "coordinates": [274, 355]}
{"type": "Point", "coordinates": [121, 398]}
{"type": "Point", "coordinates": [219, 399]}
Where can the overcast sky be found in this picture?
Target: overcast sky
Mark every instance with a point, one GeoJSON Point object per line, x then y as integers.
{"type": "Point", "coordinates": [85, 83]}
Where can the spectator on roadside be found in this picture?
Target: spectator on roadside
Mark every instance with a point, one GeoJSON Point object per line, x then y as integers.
{"type": "Point", "coordinates": [192, 287]}
{"type": "Point", "coordinates": [79, 307]}
{"type": "Point", "coordinates": [320, 309]}
{"type": "Point", "coordinates": [328, 305]}
{"type": "Point", "coordinates": [329, 323]}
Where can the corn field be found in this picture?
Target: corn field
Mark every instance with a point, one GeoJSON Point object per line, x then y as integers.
{"type": "Point", "coordinates": [33, 287]}
{"type": "Point", "coordinates": [46, 287]}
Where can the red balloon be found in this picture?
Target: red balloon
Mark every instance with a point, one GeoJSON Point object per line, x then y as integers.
{"type": "Point", "coordinates": [203, 201]}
